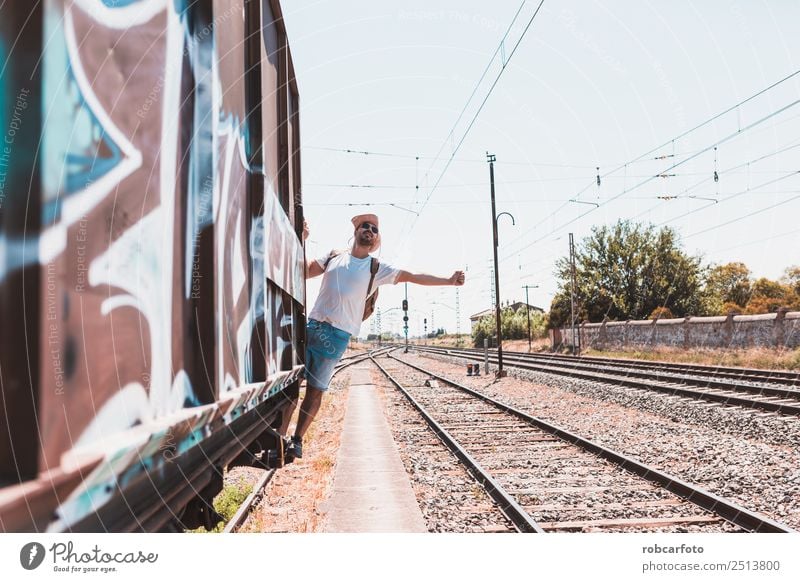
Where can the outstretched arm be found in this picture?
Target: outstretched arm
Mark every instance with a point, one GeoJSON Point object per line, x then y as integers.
{"type": "Point", "coordinates": [456, 279]}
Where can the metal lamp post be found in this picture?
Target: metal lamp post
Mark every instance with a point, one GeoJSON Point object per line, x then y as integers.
{"type": "Point", "coordinates": [500, 373]}
{"type": "Point", "coordinates": [405, 318]}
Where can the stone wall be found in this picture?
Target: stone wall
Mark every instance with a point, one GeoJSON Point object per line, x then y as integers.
{"type": "Point", "coordinates": [769, 330]}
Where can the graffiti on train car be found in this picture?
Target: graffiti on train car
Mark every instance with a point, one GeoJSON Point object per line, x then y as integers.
{"type": "Point", "coordinates": [171, 273]}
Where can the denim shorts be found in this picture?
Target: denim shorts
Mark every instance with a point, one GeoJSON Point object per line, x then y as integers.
{"type": "Point", "coordinates": [325, 346]}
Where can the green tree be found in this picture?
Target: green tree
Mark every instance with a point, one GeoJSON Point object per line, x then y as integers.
{"type": "Point", "coordinates": [726, 286]}
{"type": "Point", "coordinates": [768, 296]}
{"type": "Point", "coordinates": [661, 313]}
{"type": "Point", "coordinates": [514, 325]}
{"type": "Point", "coordinates": [791, 278]}
{"type": "Point", "coordinates": [437, 332]}
{"type": "Point", "coordinates": [626, 271]}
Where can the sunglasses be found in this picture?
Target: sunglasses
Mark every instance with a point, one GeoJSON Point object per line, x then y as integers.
{"type": "Point", "coordinates": [368, 226]}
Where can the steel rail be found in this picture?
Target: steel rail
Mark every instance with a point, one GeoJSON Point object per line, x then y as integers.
{"type": "Point", "coordinates": [508, 505]}
{"type": "Point", "coordinates": [706, 500]}
{"type": "Point", "coordinates": [660, 385]}
{"type": "Point", "coordinates": [646, 372]}
{"type": "Point", "coordinates": [749, 374]}
{"type": "Point", "coordinates": [243, 511]}
{"type": "Point", "coordinates": [754, 374]}
{"type": "Point", "coordinates": [355, 358]}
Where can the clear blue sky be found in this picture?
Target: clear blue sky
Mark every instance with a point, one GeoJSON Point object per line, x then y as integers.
{"type": "Point", "coordinates": [591, 84]}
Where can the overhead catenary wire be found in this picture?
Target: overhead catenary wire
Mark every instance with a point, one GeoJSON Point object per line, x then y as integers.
{"type": "Point", "coordinates": [483, 103]}
{"type": "Point", "coordinates": [670, 141]}
{"type": "Point", "coordinates": [475, 90]}
{"type": "Point", "coordinates": [755, 190]}
{"type": "Point", "coordinates": [455, 158]}
{"type": "Point", "coordinates": [549, 256]}
{"type": "Point", "coordinates": [728, 171]}
{"type": "Point", "coordinates": [743, 217]}
{"type": "Point", "coordinates": [460, 202]}
{"type": "Point", "coordinates": [761, 240]}
{"type": "Point", "coordinates": [724, 197]}
{"type": "Point", "coordinates": [411, 187]}
{"type": "Point", "coordinates": [504, 162]}
{"type": "Point", "coordinates": [642, 183]}
{"type": "Point", "coordinates": [730, 197]}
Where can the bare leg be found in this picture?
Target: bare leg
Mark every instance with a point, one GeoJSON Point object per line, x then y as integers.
{"type": "Point", "coordinates": [287, 416]}
{"type": "Point", "coordinates": [308, 410]}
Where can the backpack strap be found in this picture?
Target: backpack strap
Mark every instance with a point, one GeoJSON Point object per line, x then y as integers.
{"type": "Point", "coordinates": [373, 269]}
{"type": "Point", "coordinates": [331, 255]}
{"type": "Point", "coordinates": [372, 296]}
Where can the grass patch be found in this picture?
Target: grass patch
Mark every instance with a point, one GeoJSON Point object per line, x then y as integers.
{"type": "Point", "coordinates": [227, 503]}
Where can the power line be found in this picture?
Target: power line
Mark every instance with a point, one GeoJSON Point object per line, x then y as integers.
{"type": "Point", "coordinates": [547, 258]}
{"type": "Point", "coordinates": [723, 197]}
{"type": "Point", "coordinates": [361, 152]}
{"type": "Point", "coordinates": [474, 90]}
{"type": "Point", "coordinates": [363, 186]}
{"type": "Point", "coordinates": [762, 240]}
{"type": "Point", "coordinates": [480, 108]}
{"type": "Point", "coordinates": [560, 179]}
{"type": "Point", "coordinates": [587, 166]}
{"type": "Point", "coordinates": [708, 148]}
{"type": "Point", "coordinates": [748, 215]}
{"type": "Point", "coordinates": [365, 204]}
{"type": "Point", "coordinates": [730, 197]}
{"type": "Point", "coordinates": [692, 156]}
{"type": "Point", "coordinates": [726, 172]}
{"type": "Point", "coordinates": [455, 159]}
{"type": "Point", "coordinates": [655, 149]}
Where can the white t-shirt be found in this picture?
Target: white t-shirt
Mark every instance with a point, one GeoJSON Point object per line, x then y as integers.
{"type": "Point", "coordinates": [344, 290]}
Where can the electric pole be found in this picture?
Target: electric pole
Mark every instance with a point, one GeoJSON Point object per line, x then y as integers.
{"type": "Point", "coordinates": [458, 321]}
{"type": "Point", "coordinates": [528, 307]}
{"type": "Point", "coordinates": [405, 318]}
{"type": "Point", "coordinates": [576, 340]}
{"type": "Point", "coordinates": [500, 373]}
{"type": "Point", "coordinates": [492, 291]}
{"type": "Point", "coordinates": [378, 317]}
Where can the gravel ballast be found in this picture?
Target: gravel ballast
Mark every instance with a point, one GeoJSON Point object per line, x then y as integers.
{"type": "Point", "coordinates": [750, 458]}
{"type": "Point", "coordinates": [449, 498]}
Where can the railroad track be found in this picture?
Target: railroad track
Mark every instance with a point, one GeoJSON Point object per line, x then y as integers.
{"type": "Point", "coordinates": [771, 398]}
{"type": "Point", "coordinates": [547, 479]}
{"type": "Point", "coordinates": [777, 377]}
{"type": "Point", "coordinates": [360, 357]}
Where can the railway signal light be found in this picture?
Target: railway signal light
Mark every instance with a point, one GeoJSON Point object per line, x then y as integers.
{"type": "Point", "coordinates": [405, 304]}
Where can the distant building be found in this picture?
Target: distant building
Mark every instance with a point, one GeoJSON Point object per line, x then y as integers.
{"type": "Point", "coordinates": [516, 306]}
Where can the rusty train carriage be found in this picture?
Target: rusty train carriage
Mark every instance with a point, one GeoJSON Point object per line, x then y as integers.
{"type": "Point", "coordinates": [151, 270]}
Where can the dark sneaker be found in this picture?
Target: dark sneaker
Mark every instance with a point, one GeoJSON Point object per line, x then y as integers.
{"type": "Point", "coordinates": [294, 448]}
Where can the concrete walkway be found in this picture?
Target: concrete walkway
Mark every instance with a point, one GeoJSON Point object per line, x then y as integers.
{"type": "Point", "coordinates": [371, 489]}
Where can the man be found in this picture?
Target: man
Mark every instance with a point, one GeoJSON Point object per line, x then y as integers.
{"type": "Point", "coordinates": [338, 312]}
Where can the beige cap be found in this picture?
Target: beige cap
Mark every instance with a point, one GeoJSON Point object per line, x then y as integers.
{"type": "Point", "coordinates": [371, 218]}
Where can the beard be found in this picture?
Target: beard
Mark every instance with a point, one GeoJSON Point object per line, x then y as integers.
{"type": "Point", "coordinates": [365, 240]}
